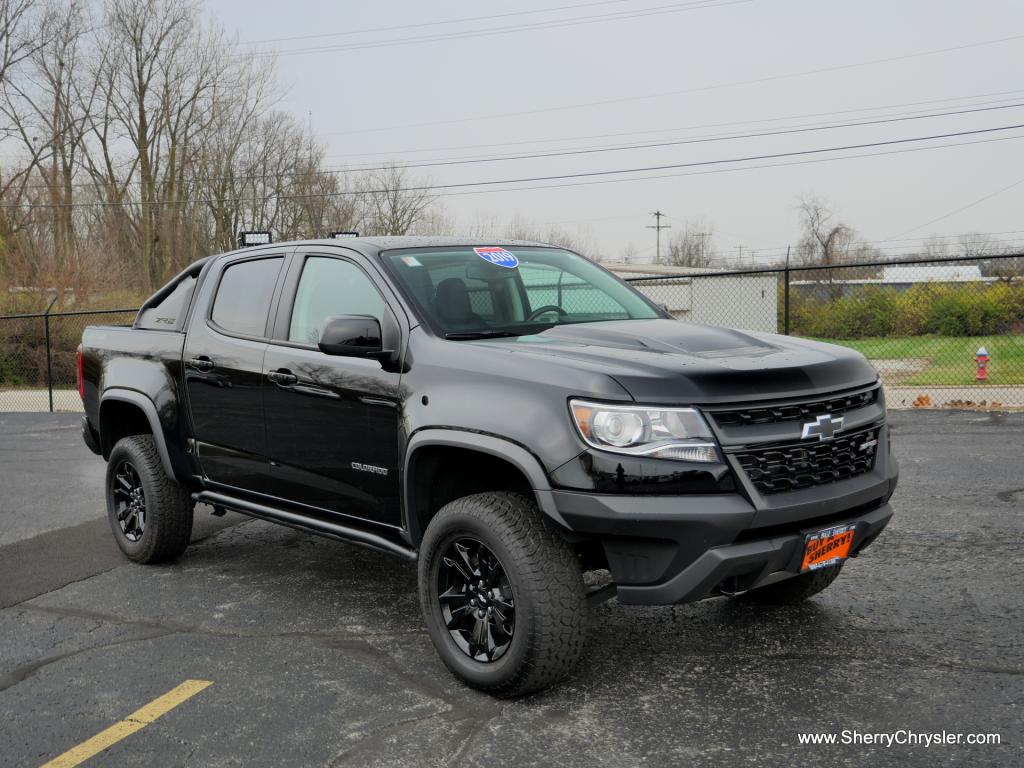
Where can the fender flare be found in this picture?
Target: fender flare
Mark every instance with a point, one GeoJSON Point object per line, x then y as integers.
{"type": "Point", "coordinates": [149, 409]}
{"type": "Point", "coordinates": [500, 447]}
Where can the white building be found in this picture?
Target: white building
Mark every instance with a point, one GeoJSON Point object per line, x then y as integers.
{"type": "Point", "coordinates": [748, 302]}
{"type": "Point", "coordinates": [932, 273]}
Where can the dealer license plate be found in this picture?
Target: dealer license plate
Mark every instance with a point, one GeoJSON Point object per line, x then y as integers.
{"type": "Point", "coordinates": [827, 547]}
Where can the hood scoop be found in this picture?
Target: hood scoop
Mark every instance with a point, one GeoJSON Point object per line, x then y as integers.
{"type": "Point", "coordinates": [759, 350]}
{"type": "Point", "coordinates": [668, 337]}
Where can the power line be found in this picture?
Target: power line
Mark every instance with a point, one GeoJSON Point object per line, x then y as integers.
{"type": "Point", "coordinates": [585, 151]}
{"type": "Point", "coordinates": [693, 89]}
{"type": "Point", "coordinates": [463, 20]}
{"type": "Point", "coordinates": [477, 185]}
{"type": "Point", "coordinates": [1013, 94]}
{"type": "Point", "coordinates": [750, 158]}
{"type": "Point", "coordinates": [736, 169]}
{"type": "Point", "coordinates": [962, 208]}
{"type": "Point", "coordinates": [693, 5]}
{"type": "Point", "coordinates": [678, 142]}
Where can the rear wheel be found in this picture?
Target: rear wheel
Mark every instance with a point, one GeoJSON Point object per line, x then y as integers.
{"type": "Point", "coordinates": [794, 590]}
{"type": "Point", "coordinates": [149, 513]}
{"type": "Point", "coordinates": [502, 594]}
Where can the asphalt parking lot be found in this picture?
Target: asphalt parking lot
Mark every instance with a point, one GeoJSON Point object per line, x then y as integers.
{"type": "Point", "coordinates": [316, 654]}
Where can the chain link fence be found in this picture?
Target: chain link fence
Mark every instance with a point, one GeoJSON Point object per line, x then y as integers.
{"type": "Point", "coordinates": [38, 363]}
{"type": "Point", "coordinates": [941, 333]}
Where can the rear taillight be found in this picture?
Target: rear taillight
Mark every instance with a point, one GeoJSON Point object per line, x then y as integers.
{"type": "Point", "coordinates": [81, 376]}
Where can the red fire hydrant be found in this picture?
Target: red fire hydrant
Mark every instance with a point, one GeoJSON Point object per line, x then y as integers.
{"type": "Point", "coordinates": [982, 359]}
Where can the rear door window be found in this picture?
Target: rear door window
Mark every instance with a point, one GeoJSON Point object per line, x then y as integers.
{"type": "Point", "coordinates": [244, 295]}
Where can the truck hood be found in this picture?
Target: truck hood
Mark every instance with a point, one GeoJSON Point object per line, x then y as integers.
{"type": "Point", "coordinates": [668, 361]}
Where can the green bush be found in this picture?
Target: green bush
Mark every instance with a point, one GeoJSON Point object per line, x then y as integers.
{"type": "Point", "coordinates": [968, 309]}
{"type": "Point", "coordinates": [10, 374]}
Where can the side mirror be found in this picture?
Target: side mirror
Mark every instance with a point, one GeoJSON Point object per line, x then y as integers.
{"type": "Point", "coordinates": [351, 336]}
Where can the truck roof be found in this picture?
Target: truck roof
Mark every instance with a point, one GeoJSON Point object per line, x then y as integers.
{"type": "Point", "coordinates": [374, 245]}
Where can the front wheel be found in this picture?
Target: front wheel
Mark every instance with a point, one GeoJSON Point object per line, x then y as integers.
{"type": "Point", "coordinates": [502, 594]}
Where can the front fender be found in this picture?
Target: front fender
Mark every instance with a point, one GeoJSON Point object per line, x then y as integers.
{"type": "Point", "coordinates": [505, 449]}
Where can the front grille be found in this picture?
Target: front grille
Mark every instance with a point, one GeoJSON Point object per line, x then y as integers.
{"type": "Point", "coordinates": [793, 466]}
{"type": "Point", "coordinates": [774, 414]}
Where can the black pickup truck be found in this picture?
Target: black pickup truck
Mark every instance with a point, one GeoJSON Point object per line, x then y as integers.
{"type": "Point", "coordinates": [510, 415]}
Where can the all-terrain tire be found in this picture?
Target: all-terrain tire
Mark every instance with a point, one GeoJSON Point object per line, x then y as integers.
{"type": "Point", "coordinates": [547, 590]}
{"type": "Point", "coordinates": [167, 506]}
{"type": "Point", "coordinates": [794, 590]}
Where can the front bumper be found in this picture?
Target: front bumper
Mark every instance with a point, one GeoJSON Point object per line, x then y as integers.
{"type": "Point", "coordinates": [677, 549]}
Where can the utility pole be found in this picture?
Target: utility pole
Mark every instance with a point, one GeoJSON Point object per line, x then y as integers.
{"type": "Point", "coordinates": [657, 227]}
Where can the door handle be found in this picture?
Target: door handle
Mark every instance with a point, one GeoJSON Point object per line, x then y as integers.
{"type": "Point", "coordinates": [201, 363]}
{"type": "Point", "coordinates": [282, 377]}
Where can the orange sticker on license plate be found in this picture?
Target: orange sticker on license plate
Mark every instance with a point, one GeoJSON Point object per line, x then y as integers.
{"type": "Point", "coordinates": [827, 547]}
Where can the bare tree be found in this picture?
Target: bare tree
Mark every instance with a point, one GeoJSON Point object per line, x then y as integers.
{"type": "Point", "coordinates": [46, 112]}
{"type": "Point", "coordinates": [160, 75]}
{"type": "Point", "coordinates": [936, 247]}
{"type": "Point", "coordinates": [579, 241]}
{"type": "Point", "coordinates": [692, 245]}
{"type": "Point", "coordinates": [393, 204]}
{"type": "Point", "coordinates": [15, 45]}
{"type": "Point", "coordinates": [977, 244]}
{"type": "Point", "coordinates": [825, 242]}
{"type": "Point", "coordinates": [137, 141]}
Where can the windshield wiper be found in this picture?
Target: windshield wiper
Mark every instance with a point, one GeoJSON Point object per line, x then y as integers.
{"type": "Point", "coordinates": [495, 333]}
{"type": "Point", "coordinates": [467, 335]}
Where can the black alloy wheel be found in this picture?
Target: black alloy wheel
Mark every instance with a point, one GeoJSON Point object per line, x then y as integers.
{"type": "Point", "coordinates": [476, 600]}
{"type": "Point", "coordinates": [149, 513]}
{"type": "Point", "coordinates": [502, 593]}
{"type": "Point", "coordinates": [130, 501]}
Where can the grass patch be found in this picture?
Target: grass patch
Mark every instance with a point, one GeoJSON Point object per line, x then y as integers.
{"type": "Point", "coordinates": [950, 358]}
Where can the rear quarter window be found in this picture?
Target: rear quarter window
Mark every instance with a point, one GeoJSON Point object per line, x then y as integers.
{"type": "Point", "coordinates": [169, 313]}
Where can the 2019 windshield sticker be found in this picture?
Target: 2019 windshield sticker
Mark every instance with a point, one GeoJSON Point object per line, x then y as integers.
{"type": "Point", "coordinates": [499, 257]}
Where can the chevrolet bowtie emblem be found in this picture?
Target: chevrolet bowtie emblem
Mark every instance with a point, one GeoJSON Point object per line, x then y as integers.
{"type": "Point", "coordinates": [824, 428]}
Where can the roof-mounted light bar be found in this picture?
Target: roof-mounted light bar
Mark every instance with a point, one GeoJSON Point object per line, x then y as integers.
{"type": "Point", "coordinates": [249, 238]}
{"type": "Point", "coordinates": [343, 235]}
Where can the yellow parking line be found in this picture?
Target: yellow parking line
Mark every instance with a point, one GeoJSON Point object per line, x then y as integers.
{"type": "Point", "coordinates": [137, 720]}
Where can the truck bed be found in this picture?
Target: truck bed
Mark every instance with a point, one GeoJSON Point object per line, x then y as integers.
{"type": "Point", "coordinates": [133, 358]}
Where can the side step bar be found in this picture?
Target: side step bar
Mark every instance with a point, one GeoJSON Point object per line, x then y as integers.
{"type": "Point", "coordinates": [302, 522]}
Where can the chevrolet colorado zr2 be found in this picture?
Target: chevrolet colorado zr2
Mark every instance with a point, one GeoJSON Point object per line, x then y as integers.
{"type": "Point", "coordinates": [508, 415]}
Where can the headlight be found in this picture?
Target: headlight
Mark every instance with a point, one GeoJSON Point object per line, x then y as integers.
{"type": "Point", "coordinates": [662, 433]}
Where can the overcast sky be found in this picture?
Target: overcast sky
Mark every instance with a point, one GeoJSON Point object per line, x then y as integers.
{"type": "Point", "coordinates": [662, 71]}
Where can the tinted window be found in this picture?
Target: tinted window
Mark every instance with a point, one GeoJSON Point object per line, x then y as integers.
{"type": "Point", "coordinates": [331, 287]}
{"type": "Point", "coordinates": [553, 285]}
{"type": "Point", "coordinates": [482, 289]}
{"type": "Point", "coordinates": [243, 297]}
{"type": "Point", "coordinates": [169, 314]}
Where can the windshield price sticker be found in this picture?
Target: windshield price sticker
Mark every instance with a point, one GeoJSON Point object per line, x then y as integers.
{"type": "Point", "coordinates": [498, 256]}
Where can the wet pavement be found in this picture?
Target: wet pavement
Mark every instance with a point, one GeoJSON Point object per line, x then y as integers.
{"type": "Point", "coordinates": [317, 654]}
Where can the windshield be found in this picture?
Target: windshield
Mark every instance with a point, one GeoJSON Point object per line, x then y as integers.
{"type": "Point", "coordinates": [467, 292]}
